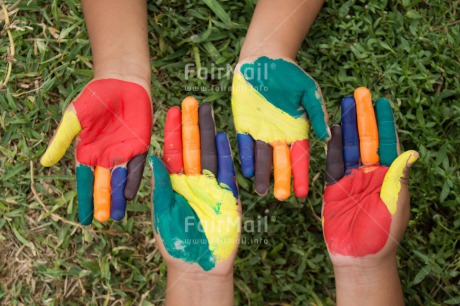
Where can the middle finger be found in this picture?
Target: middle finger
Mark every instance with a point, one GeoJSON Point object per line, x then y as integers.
{"type": "Point", "coordinates": [367, 127]}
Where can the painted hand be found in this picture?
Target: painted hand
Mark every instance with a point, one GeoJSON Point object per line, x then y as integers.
{"type": "Point", "coordinates": [196, 212]}
{"type": "Point", "coordinates": [366, 204]}
{"type": "Point", "coordinates": [274, 102]}
{"type": "Point", "coordinates": [113, 121]}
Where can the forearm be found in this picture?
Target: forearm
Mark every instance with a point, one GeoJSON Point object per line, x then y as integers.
{"type": "Point", "coordinates": [369, 286]}
{"type": "Point", "coordinates": [198, 289]}
{"type": "Point", "coordinates": [119, 43]}
{"type": "Point", "coordinates": [278, 27]}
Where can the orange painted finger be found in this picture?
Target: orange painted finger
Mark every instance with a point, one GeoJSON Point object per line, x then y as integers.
{"type": "Point", "coordinates": [367, 127]}
{"type": "Point", "coordinates": [101, 194]}
{"type": "Point", "coordinates": [282, 172]}
{"type": "Point", "coordinates": [191, 136]}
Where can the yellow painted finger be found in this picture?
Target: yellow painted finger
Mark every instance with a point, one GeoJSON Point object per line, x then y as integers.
{"type": "Point", "coordinates": [367, 127]}
{"type": "Point", "coordinates": [101, 194]}
{"type": "Point", "coordinates": [282, 170]}
{"type": "Point", "coordinates": [398, 171]}
{"type": "Point", "coordinates": [66, 132]}
{"type": "Point", "coordinates": [191, 136]}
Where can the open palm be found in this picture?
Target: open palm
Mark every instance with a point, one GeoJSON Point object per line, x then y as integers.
{"type": "Point", "coordinates": [196, 211]}
{"type": "Point", "coordinates": [366, 200]}
{"type": "Point", "coordinates": [113, 121]}
{"type": "Point", "coordinates": [274, 102]}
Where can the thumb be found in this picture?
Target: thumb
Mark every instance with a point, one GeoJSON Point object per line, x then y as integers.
{"type": "Point", "coordinates": [397, 178]}
{"type": "Point", "coordinates": [315, 107]}
{"type": "Point", "coordinates": [162, 192]}
{"type": "Point", "coordinates": [65, 133]}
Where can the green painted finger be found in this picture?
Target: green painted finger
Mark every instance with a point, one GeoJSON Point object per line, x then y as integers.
{"type": "Point", "coordinates": [388, 143]}
{"type": "Point", "coordinates": [312, 101]}
{"type": "Point", "coordinates": [85, 181]}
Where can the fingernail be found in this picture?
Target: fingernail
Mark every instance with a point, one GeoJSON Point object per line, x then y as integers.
{"type": "Point", "coordinates": [412, 158]}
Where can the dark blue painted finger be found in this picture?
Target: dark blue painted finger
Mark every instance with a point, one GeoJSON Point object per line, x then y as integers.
{"type": "Point", "coordinates": [334, 158]}
{"type": "Point", "coordinates": [135, 171]}
{"type": "Point", "coordinates": [118, 201]}
{"type": "Point", "coordinates": [207, 138]}
{"type": "Point", "coordinates": [85, 181]}
{"type": "Point", "coordinates": [264, 162]}
{"type": "Point", "coordinates": [226, 169]}
{"type": "Point", "coordinates": [350, 137]}
{"type": "Point", "coordinates": [246, 152]}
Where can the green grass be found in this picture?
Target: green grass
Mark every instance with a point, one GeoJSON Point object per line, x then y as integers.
{"type": "Point", "coordinates": [407, 51]}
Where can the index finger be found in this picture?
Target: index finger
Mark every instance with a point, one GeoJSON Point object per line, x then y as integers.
{"type": "Point", "coordinates": [388, 140]}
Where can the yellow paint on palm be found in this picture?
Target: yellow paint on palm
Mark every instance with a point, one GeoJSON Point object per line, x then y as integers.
{"type": "Point", "coordinates": [216, 208]}
{"type": "Point", "coordinates": [254, 115]}
{"type": "Point", "coordinates": [66, 132]}
{"type": "Point", "coordinates": [392, 182]}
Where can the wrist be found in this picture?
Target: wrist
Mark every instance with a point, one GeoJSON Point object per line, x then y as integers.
{"type": "Point", "coordinates": [251, 54]}
{"type": "Point", "coordinates": [373, 284]}
{"type": "Point", "coordinates": [202, 288]}
{"type": "Point", "coordinates": [365, 272]}
{"type": "Point", "coordinates": [126, 69]}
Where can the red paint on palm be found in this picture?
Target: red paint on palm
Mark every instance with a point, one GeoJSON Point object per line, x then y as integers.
{"type": "Point", "coordinates": [116, 121]}
{"type": "Point", "coordinates": [356, 221]}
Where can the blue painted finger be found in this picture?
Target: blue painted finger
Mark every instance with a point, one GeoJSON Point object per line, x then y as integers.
{"type": "Point", "coordinates": [246, 152]}
{"type": "Point", "coordinates": [350, 137]}
{"type": "Point", "coordinates": [85, 181]}
{"type": "Point", "coordinates": [226, 169]}
{"type": "Point", "coordinates": [117, 185]}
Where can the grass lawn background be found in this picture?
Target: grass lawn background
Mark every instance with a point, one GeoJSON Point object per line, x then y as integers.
{"type": "Point", "coordinates": [407, 51]}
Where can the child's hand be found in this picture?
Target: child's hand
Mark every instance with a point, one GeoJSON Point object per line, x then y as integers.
{"type": "Point", "coordinates": [196, 212]}
{"type": "Point", "coordinates": [113, 121]}
{"type": "Point", "coordinates": [274, 102]}
{"type": "Point", "coordinates": [366, 201]}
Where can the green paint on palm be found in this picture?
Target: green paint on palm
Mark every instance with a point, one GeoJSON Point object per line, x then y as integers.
{"type": "Point", "coordinates": [85, 180]}
{"type": "Point", "coordinates": [176, 222]}
{"type": "Point", "coordinates": [387, 133]}
{"type": "Point", "coordinates": [288, 87]}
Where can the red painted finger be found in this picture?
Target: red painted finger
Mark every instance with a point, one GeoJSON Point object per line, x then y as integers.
{"type": "Point", "coordinates": [172, 156]}
{"type": "Point", "coordinates": [300, 160]}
